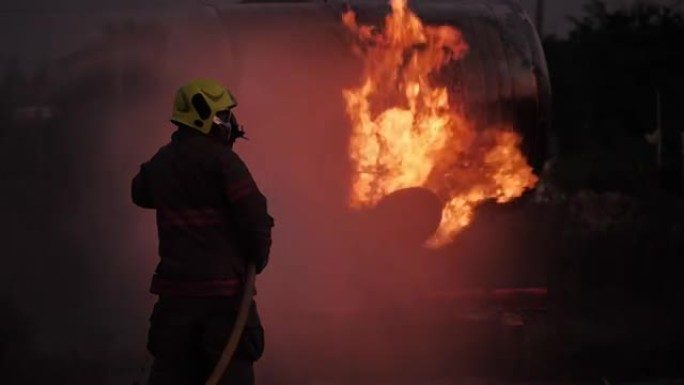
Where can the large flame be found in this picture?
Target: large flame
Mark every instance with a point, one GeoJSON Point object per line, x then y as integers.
{"type": "Point", "coordinates": [407, 133]}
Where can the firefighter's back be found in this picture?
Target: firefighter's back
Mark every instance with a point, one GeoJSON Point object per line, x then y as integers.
{"type": "Point", "coordinates": [196, 236]}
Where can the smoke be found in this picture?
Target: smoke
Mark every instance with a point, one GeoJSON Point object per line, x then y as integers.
{"type": "Point", "coordinates": [341, 297]}
{"type": "Point", "coordinates": [341, 293]}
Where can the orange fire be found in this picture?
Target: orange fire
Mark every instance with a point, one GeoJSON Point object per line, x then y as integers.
{"type": "Point", "coordinates": [407, 133]}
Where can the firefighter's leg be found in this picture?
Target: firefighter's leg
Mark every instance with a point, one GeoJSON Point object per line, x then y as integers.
{"type": "Point", "coordinates": [218, 328]}
{"type": "Point", "coordinates": [167, 371]}
{"type": "Point", "coordinates": [174, 341]}
{"type": "Point", "coordinates": [238, 373]}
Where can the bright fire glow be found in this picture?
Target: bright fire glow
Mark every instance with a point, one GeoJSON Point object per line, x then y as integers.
{"type": "Point", "coordinates": [407, 133]}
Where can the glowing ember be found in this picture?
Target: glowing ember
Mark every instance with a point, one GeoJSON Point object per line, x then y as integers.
{"type": "Point", "coordinates": [407, 133]}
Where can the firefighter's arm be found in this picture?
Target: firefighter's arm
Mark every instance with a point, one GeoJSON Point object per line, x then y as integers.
{"type": "Point", "coordinates": [249, 208]}
{"type": "Point", "coordinates": [140, 192]}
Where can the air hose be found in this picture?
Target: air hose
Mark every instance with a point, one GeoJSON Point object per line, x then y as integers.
{"type": "Point", "coordinates": [236, 334]}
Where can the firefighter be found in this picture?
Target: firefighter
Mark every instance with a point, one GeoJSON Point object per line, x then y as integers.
{"type": "Point", "coordinates": [212, 221]}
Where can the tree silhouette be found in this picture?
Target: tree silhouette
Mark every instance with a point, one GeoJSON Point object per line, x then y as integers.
{"type": "Point", "coordinates": [14, 339]}
{"type": "Point", "coordinates": [10, 82]}
{"type": "Point", "coordinates": [606, 77]}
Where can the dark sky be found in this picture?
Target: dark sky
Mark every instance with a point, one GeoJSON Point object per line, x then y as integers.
{"type": "Point", "coordinates": [38, 30]}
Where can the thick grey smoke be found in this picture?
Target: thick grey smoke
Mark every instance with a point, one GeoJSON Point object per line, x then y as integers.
{"type": "Point", "coordinates": [341, 297]}
{"type": "Point", "coordinates": [337, 281]}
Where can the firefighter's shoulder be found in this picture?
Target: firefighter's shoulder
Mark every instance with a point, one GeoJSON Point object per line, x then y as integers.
{"type": "Point", "coordinates": [232, 164]}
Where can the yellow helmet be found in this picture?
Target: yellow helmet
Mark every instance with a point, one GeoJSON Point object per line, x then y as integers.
{"type": "Point", "coordinates": [197, 103]}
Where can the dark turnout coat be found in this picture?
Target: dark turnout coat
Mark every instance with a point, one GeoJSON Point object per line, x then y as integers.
{"type": "Point", "coordinates": [211, 217]}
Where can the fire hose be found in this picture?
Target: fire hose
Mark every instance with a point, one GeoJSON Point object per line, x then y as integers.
{"type": "Point", "coordinates": [238, 328]}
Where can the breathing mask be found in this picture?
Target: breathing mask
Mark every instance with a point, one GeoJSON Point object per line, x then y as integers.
{"type": "Point", "coordinates": [228, 127]}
